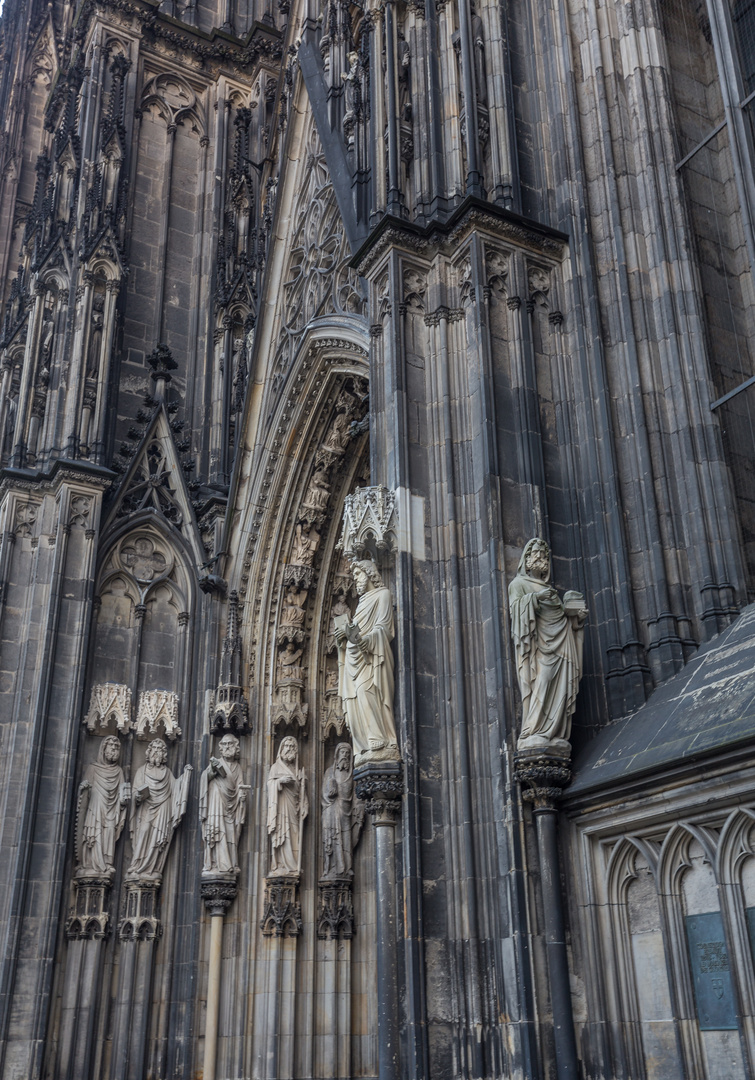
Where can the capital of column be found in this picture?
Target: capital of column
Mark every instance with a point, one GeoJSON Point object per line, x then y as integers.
{"type": "Point", "coordinates": [218, 892]}
{"type": "Point", "coordinates": [543, 774]}
{"type": "Point", "coordinates": [380, 784]}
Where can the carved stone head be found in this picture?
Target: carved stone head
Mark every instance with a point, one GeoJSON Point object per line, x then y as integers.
{"type": "Point", "coordinates": [366, 576]}
{"type": "Point", "coordinates": [110, 751]}
{"type": "Point", "coordinates": [343, 757]}
{"type": "Point", "coordinates": [229, 747]}
{"type": "Point", "coordinates": [157, 752]}
{"type": "Point", "coordinates": [536, 560]}
{"type": "Point", "coordinates": [289, 750]}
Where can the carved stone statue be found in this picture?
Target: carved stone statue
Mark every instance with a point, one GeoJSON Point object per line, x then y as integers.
{"type": "Point", "coordinates": [293, 610]}
{"type": "Point", "coordinates": [158, 803]}
{"type": "Point", "coordinates": [338, 437]}
{"type": "Point", "coordinates": [548, 635]}
{"type": "Point", "coordinates": [287, 807]}
{"type": "Point", "coordinates": [222, 808]}
{"type": "Point", "coordinates": [342, 815]}
{"type": "Point", "coordinates": [318, 492]}
{"type": "Point", "coordinates": [289, 667]}
{"type": "Point", "coordinates": [350, 80]}
{"type": "Point", "coordinates": [103, 797]}
{"type": "Point", "coordinates": [365, 667]}
{"type": "Point", "coordinates": [95, 341]}
{"type": "Point", "coordinates": [304, 546]}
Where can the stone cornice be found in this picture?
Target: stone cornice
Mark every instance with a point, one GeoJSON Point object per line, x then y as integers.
{"type": "Point", "coordinates": [261, 41]}
{"type": "Point", "coordinates": [472, 213]}
{"type": "Point", "coordinates": [62, 471]}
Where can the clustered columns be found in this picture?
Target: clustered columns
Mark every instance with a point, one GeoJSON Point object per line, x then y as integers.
{"type": "Point", "coordinates": [222, 813]}
{"type": "Point", "coordinates": [543, 776]}
{"type": "Point", "coordinates": [381, 786]}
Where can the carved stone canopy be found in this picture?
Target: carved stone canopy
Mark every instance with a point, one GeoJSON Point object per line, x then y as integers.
{"type": "Point", "coordinates": [110, 703]}
{"type": "Point", "coordinates": [370, 522]}
{"type": "Point", "coordinates": [157, 708]}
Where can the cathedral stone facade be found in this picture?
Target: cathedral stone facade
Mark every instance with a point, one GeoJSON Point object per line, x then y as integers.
{"type": "Point", "coordinates": [315, 316]}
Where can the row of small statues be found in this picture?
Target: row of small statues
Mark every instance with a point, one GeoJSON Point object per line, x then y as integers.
{"type": "Point", "coordinates": [156, 802]}
{"type": "Point", "coordinates": [547, 633]}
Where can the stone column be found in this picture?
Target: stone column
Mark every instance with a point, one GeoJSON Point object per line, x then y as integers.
{"type": "Point", "coordinates": [138, 930]}
{"type": "Point", "coordinates": [381, 786]}
{"type": "Point", "coordinates": [218, 893]}
{"type": "Point", "coordinates": [543, 773]}
{"type": "Point", "coordinates": [86, 931]}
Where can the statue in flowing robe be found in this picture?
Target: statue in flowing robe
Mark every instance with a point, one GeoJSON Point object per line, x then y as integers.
{"type": "Point", "coordinates": [222, 809]}
{"type": "Point", "coordinates": [104, 795]}
{"type": "Point", "coordinates": [342, 815]}
{"type": "Point", "coordinates": [287, 807]}
{"type": "Point", "coordinates": [158, 803]}
{"type": "Point", "coordinates": [548, 634]}
{"type": "Point", "coordinates": [365, 667]}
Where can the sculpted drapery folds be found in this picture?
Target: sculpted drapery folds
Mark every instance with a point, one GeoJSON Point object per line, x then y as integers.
{"type": "Point", "coordinates": [287, 807]}
{"type": "Point", "coordinates": [548, 635]}
{"type": "Point", "coordinates": [222, 808]}
{"type": "Point", "coordinates": [157, 805]}
{"type": "Point", "coordinates": [365, 667]}
{"type": "Point", "coordinates": [342, 815]}
{"type": "Point", "coordinates": [103, 798]}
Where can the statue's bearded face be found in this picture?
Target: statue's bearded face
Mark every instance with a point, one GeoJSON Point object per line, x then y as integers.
{"type": "Point", "coordinates": [343, 758]}
{"type": "Point", "coordinates": [229, 747]}
{"type": "Point", "coordinates": [288, 749]}
{"type": "Point", "coordinates": [538, 562]}
{"type": "Point", "coordinates": [361, 581]}
{"type": "Point", "coordinates": [112, 751]}
{"type": "Point", "coordinates": [157, 752]}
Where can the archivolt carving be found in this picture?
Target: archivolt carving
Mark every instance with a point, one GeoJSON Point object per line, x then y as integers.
{"type": "Point", "coordinates": [318, 279]}
{"type": "Point", "coordinates": [298, 575]}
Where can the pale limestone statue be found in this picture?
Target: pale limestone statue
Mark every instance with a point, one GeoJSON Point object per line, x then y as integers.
{"type": "Point", "coordinates": [318, 492]}
{"type": "Point", "coordinates": [222, 809]}
{"type": "Point", "coordinates": [342, 815]}
{"type": "Point", "coordinates": [293, 612]}
{"type": "Point", "coordinates": [289, 666]}
{"type": "Point", "coordinates": [104, 795]}
{"type": "Point", "coordinates": [365, 667]}
{"type": "Point", "coordinates": [287, 807]}
{"type": "Point", "coordinates": [548, 635]}
{"type": "Point", "coordinates": [306, 540]}
{"type": "Point", "coordinates": [157, 805]}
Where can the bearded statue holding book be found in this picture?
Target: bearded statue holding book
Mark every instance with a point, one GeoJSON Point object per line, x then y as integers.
{"type": "Point", "coordinates": [548, 633]}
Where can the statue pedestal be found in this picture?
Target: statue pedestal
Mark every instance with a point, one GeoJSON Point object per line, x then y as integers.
{"type": "Point", "coordinates": [218, 893]}
{"type": "Point", "coordinates": [543, 773]}
{"type": "Point", "coordinates": [381, 786]}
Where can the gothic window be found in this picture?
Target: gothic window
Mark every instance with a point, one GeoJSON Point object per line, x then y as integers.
{"type": "Point", "coordinates": [142, 617]}
{"type": "Point", "coordinates": [743, 25]}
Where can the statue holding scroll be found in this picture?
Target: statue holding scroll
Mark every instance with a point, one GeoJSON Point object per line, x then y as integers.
{"type": "Point", "coordinates": [548, 634]}
{"type": "Point", "coordinates": [365, 667]}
